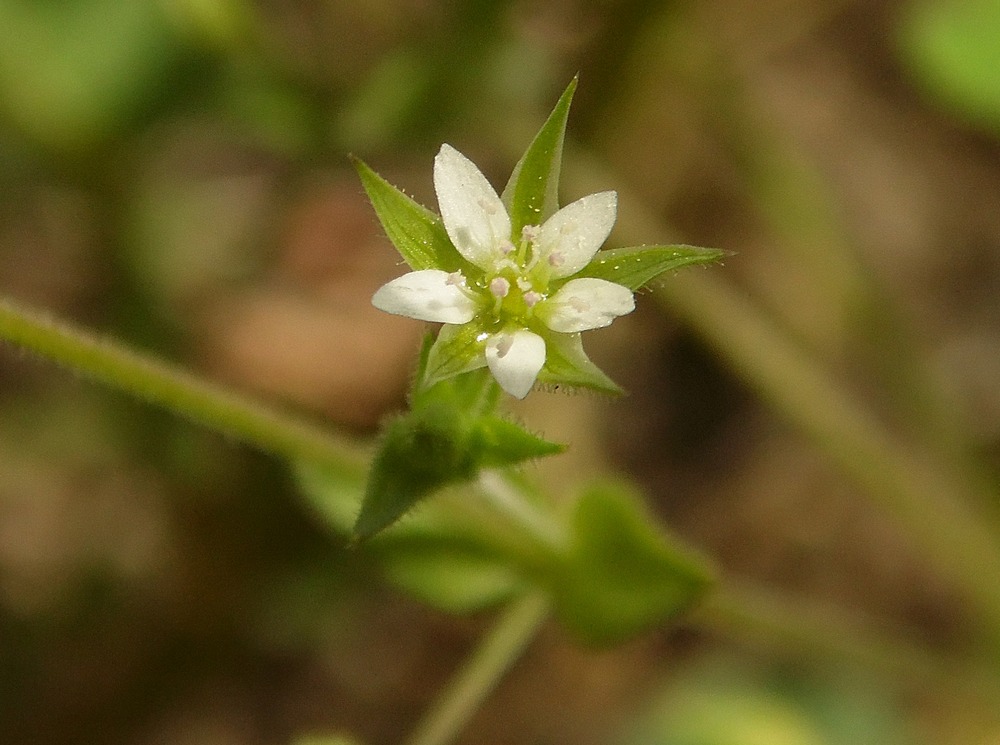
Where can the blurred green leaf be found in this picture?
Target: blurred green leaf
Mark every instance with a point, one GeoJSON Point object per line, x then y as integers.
{"type": "Point", "coordinates": [73, 74]}
{"type": "Point", "coordinates": [449, 558]}
{"type": "Point", "coordinates": [532, 193]}
{"type": "Point", "coordinates": [954, 49]}
{"type": "Point", "coordinates": [623, 575]}
{"type": "Point", "coordinates": [636, 266]}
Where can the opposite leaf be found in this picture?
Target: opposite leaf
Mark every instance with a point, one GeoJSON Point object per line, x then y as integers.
{"type": "Point", "coordinates": [623, 575]}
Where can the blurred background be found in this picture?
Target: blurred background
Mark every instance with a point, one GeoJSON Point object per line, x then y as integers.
{"type": "Point", "coordinates": [174, 173]}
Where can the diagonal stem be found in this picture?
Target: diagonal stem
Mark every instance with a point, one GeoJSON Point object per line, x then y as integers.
{"type": "Point", "coordinates": [481, 673]}
{"type": "Point", "coordinates": [143, 376]}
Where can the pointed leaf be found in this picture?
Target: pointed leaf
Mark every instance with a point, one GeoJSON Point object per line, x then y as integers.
{"type": "Point", "coordinates": [442, 556]}
{"type": "Point", "coordinates": [416, 232]}
{"type": "Point", "coordinates": [636, 266]}
{"type": "Point", "coordinates": [532, 194]}
{"type": "Point", "coordinates": [420, 453]}
{"type": "Point", "coordinates": [567, 364]}
{"type": "Point", "coordinates": [502, 443]}
{"type": "Point", "coordinates": [623, 576]}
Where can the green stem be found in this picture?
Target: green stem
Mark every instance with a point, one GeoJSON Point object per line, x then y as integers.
{"type": "Point", "coordinates": [482, 672]}
{"type": "Point", "coordinates": [170, 387]}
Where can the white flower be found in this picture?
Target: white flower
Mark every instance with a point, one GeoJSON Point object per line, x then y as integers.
{"type": "Point", "coordinates": [521, 292]}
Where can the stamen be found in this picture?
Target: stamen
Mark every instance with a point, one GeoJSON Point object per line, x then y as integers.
{"type": "Point", "coordinates": [532, 298]}
{"type": "Point", "coordinates": [506, 247]}
{"type": "Point", "coordinates": [523, 284]}
{"type": "Point", "coordinates": [556, 258]}
{"type": "Point", "coordinates": [488, 207]}
{"type": "Point", "coordinates": [530, 233]}
{"type": "Point", "coordinates": [499, 287]}
{"type": "Point", "coordinates": [455, 278]}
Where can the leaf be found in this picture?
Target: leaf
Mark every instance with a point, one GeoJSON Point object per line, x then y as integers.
{"type": "Point", "coordinates": [532, 193]}
{"type": "Point", "coordinates": [448, 436]}
{"type": "Point", "coordinates": [503, 443]}
{"type": "Point", "coordinates": [442, 556]}
{"type": "Point", "coordinates": [420, 453]}
{"type": "Point", "coordinates": [416, 232]}
{"type": "Point", "coordinates": [953, 49]}
{"type": "Point", "coordinates": [567, 364]}
{"type": "Point", "coordinates": [623, 576]}
{"type": "Point", "coordinates": [636, 266]}
{"type": "Point", "coordinates": [452, 575]}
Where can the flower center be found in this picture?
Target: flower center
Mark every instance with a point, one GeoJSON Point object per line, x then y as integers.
{"type": "Point", "coordinates": [520, 279]}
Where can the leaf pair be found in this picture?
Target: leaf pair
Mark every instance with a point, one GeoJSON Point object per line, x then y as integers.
{"type": "Point", "coordinates": [450, 433]}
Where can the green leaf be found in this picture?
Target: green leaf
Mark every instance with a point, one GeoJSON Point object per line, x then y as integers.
{"type": "Point", "coordinates": [449, 435]}
{"type": "Point", "coordinates": [532, 193]}
{"type": "Point", "coordinates": [636, 266]}
{"type": "Point", "coordinates": [444, 557]}
{"type": "Point", "coordinates": [416, 232]}
{"type": "Point", "coordinates": [420, 453]}
{"type": "Point", "coordinates": [75, 75]}
{"type": "Point", "coordinates": [567, 364]}
{"type": "Point", "coordinates": [456, 576]}
{"type": "Point", "coordinates": [623, 576]}
{"type": "Point", "coordinates": [953, 49]}
{"type": "Point", "coordinates": [503, 443]}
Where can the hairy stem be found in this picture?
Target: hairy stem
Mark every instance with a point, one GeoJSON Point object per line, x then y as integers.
{"type": "Point", "coordinates": [145, 377]}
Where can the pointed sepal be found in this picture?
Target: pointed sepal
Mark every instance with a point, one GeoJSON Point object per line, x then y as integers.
{"type": "Point", "coordinates": [532, 193]}
{"type": "Point", "coordinates": [636, 266]}
{"type": "Point", "coordinates": [416, 232]}
{"type": "Point", "coordinates": [566, 363]}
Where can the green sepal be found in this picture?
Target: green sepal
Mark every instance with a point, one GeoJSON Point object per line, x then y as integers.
{"type": "Point", "coordinates": [623, 575]}
{"type": "Point", "coordinates": [636, 266]}
{"type": "Point", "coordinates": [532, 193]}
{"type": "Point", "coordinates": [416, 232]}
{"type": "Point", "coordinates": [457, 350]}
{"type": "Point", "coordinates": [567, 364]}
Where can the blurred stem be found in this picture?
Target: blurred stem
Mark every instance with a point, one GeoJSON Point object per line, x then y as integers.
{"type": "Point", "coordinates": [145, 377]}
{"type": "Point", "coordinates": [933, 501]}
{"type": "Point", "coordinates": [482, 672]}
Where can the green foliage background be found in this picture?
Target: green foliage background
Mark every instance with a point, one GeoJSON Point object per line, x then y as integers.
{"type": "Point", "coordinates": [175, 173]}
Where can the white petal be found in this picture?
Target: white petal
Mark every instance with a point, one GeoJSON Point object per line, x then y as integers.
{"type": "Point", "coordinates": [427, 295]}
{"type": "Point", "coordinates": [515, 359]}
{"type": "Point", "coordinates": [475, 218]}
{"type": "Point", "coordinates": [577, 230]}
{"type": "Point", "coordinates": [586, 303]}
